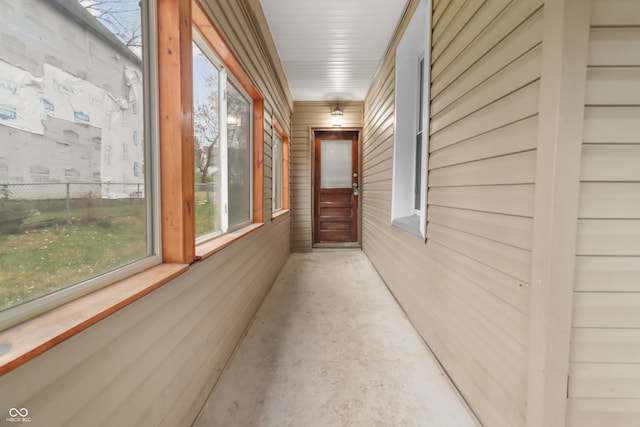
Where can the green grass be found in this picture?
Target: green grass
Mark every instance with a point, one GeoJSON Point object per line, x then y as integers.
{"type": "Point", "coordinates": [57, 249]}
{"type": "Point", "coordinates": [37, 261]}
{"type": "Point", "coordinates": [206, 214]}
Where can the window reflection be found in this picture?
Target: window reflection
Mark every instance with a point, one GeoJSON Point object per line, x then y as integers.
{"type": "Point", "coordinates": [239, 146]}
{"type": "Point", "coordinates": [222, 131]}
{"type": "Point", "coordinates": [206, 133]}
{"type": "Point", "coordinates": [72, 126]}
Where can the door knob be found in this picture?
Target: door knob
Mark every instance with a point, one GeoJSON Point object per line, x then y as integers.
{"type": "Point", "coordinates": [355, 189]}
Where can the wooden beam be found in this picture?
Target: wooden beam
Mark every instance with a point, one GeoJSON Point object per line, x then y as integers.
{"type": "Point", "coordinates": [561, 111]}
{"type": "Point", "coordinates": [213, 37]}
{"type": "Point", "coordinates": [176, 130]}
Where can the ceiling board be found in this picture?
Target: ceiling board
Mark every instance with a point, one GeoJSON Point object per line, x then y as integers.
{"type": "Point", "coordinates": [331, 49]}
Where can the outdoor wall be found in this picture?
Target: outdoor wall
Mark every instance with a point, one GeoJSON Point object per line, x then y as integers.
{"type": "Point", "coordinates": [84, 116]}
{"type": "Point", "coordinates": [604, 376]}
{"type": "Point", "coordinates": [306, 116]}
{"type": "Point", "coordinates": [154, 362]}
{"type": "Point", "coordinates": [467, 288]}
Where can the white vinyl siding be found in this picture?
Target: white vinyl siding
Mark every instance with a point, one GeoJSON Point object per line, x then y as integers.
{"type": "Point", "coordinates": [604, 373]}
{"type": "Point", "coordinates": [467, 288]}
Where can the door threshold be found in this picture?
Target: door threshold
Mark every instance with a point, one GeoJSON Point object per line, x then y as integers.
{"type": "Point", "coordinates": [337, 245]}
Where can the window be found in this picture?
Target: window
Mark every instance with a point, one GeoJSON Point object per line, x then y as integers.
{"type": "Point", "coordinates": [235, 205]}
{"type": "Point", "coordinates": [277, 173]}
{"type": "Point", "coordinates": [417, 170]}
{"type": "Point", "coordinates": [75, 177]}
{"type": "Point", "coordinates": [411, 144]}
{"type": "Point", "coordinates": [280, 170]}
{"type": "Point", "coordinates": [223, 146]}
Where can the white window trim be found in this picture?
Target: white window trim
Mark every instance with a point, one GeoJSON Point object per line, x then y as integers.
{"type": "Point", "coordinates": [224, 153]}
{"type": "Point", "coordinates": [413, 46]}
{"type": "Point", "coordinates": [420, 132]}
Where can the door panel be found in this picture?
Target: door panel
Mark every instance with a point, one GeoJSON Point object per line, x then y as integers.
{"type": "Point", "coordinates": [336, 173]}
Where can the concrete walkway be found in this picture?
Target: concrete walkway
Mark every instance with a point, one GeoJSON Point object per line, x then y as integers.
{"type": "Point", "coordinates": [331, 347]}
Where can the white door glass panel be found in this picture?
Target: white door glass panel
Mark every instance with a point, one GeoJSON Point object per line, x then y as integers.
{"type": "Point", "coordinates": [335, 163]}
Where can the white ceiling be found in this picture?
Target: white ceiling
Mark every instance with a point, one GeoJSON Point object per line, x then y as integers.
{"type": "Point", "coordinates": [330, 49]}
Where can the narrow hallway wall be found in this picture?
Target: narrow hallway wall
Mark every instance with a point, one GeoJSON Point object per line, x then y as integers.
{"type": "Point", "coordinates": [604, 385]}
{"type": "Point", "coordinates": [467, 287]}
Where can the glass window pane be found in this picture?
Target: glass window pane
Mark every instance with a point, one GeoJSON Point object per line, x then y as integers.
{"type": "Point", "coordinates": [206, 132]}
{"type": "Point", "coordinates": [335, 164]}
{"type": "Point", "coordinates": [417, 185]}
{"type": "Point", "coordinates": [420, 93]}
{"type": "Point", "coordinates": [239, 155]}
{"type": "Point", "coordinates": [72, 156]}
{"type": "Point", "coordinates": [277, 172]}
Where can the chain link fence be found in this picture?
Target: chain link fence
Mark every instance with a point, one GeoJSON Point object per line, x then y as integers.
{"type": "Point", "coordinates": [41, 204]}
{"type": "Point", "coordinates": [206, 192]}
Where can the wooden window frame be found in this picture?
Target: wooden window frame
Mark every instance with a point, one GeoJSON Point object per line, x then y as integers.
{"type": "Point", "coordinates": [173, 33]}
{"type": "Point", "coordinates": [204, 25]}
{"type": "Point", "coordinates": [277, 128]}
{"type": "Point", "coordinates": [31, 338]}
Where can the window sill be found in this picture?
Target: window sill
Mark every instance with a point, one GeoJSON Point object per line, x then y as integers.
{"type": "Point", "coordinates": [210, 247]}
{"type": "Point", "coordinates": [410, 224]}
{"type": "Point", "coordinates": [280, 213]}
{"type": "Point", "coordinates": [27, 340]}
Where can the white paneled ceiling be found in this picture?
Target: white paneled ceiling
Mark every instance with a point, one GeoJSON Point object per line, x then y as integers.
{"type": "Point", "coordinates": [330, 49]}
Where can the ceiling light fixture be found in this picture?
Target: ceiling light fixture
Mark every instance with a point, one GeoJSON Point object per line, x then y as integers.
{"type": "Point", "coordinates": [336, 116]}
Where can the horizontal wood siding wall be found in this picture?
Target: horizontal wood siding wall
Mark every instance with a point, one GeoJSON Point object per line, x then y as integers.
{"type": "Point", "coordinates": [467, 288]}
{"type": "Point", "coordinates": [154, 362]}
{"type": "Point", "coordinates": [604, 381]}
{"type": "Point", "coordinates": [308, 115]}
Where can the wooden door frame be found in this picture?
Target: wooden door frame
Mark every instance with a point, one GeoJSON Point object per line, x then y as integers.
{"type": "Point", "coordinates": [312, 138]}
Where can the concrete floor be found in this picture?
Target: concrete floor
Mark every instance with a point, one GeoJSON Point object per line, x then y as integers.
{"type": "Point", "coordinates": [331, 347]}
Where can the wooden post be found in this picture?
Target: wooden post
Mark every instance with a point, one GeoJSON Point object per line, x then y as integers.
{"type": "Point", "coordinates": [176, 130]}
